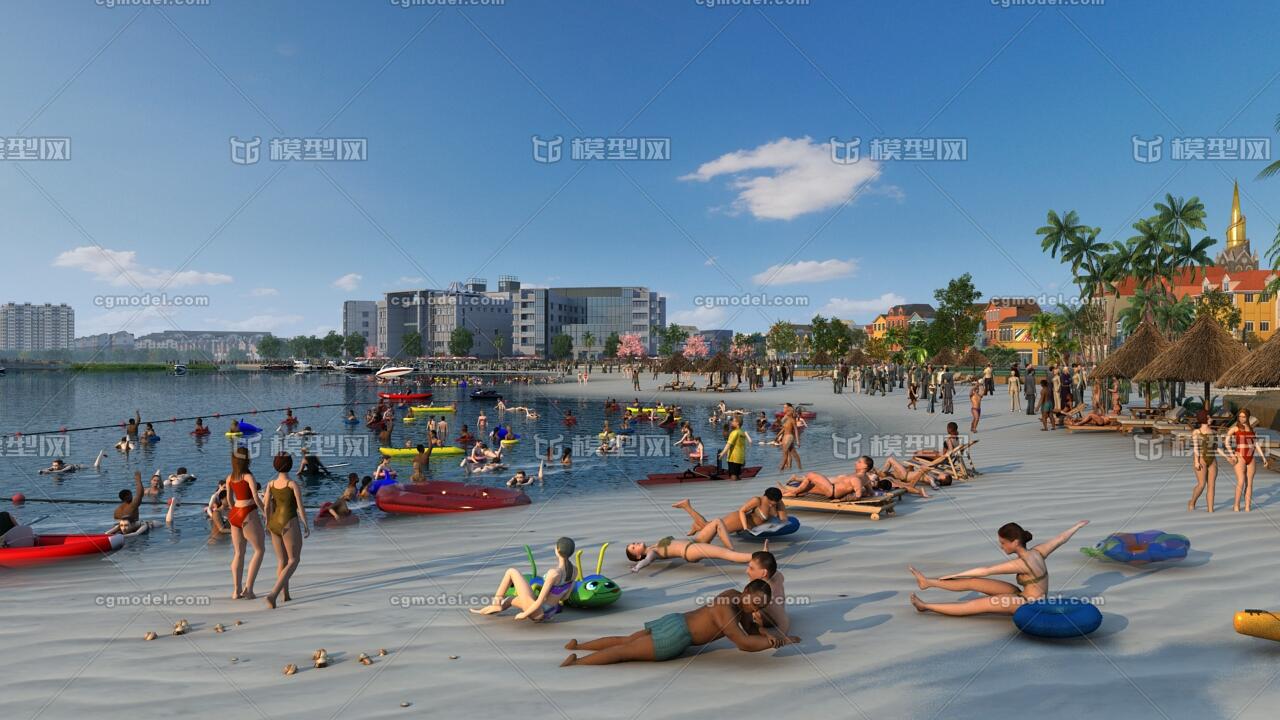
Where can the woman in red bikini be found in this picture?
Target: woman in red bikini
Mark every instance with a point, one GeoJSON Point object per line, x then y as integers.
{"type": "Point", "coordinates": [245, 519]}
{"type": "Point", "coordinates": [1241, 446]}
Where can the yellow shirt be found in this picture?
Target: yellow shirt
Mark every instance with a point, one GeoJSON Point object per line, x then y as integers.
{"type": "Point", "coordinates": [737, 443]}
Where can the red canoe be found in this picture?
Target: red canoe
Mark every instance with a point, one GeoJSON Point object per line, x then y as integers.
{"type": "Point", "coordinates": [440, 496]}
{"type": "Point", "coordinates": [52, 548]}
{"type": "Point", "coordinates": [701, 473]}
{"type": "Point", "coordinates": [405, 396]}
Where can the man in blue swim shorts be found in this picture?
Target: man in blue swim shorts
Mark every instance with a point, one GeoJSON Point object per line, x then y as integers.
{"type": "Point", "coordinates": [729, 615]}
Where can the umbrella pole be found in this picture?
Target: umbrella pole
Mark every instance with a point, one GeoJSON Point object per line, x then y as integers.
{"type": "Point", "coordinates": [1208, 401]}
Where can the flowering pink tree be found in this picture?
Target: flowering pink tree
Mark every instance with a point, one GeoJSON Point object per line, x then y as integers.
{"type": "Point", "coordinates": [696, 347]}
{"type": "Point", "coordinates": [630, 346]}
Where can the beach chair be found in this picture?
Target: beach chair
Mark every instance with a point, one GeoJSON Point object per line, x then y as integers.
{"type": "Point", "coordinates": [873, 506]}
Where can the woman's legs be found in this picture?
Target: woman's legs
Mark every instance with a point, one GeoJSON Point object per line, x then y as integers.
{"type": "Point", "coordinates": [712, 530]}
{"type": "Point", "coordinates": [699, 521]}
{"type": "Point", "coordinates": [254, 531]}
{"type": "Point", "coordinates": [512, 578]}
{"type": "Point", "coordinates": [986, 586]}
{"type": "Point", "coordinates": [1202, 478]}
{"type": "Point", "coordinates": [1239, 468]}
{"type": "Point", "coordinates": [702, 552]}
{"type": "Point", "coordinates": [288, 551]}
{"type": "Point", "coordinates": [1250, 470]}
{"type": "Point", "coordinates": [1003, 604]}
{"type": "Point", "coordinates": [237, 561]}
{"type": "Point", "coordinates": [1213, 477]}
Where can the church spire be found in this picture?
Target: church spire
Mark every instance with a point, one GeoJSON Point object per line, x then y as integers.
{"type": "Point", "coordinates": [1235, 231]}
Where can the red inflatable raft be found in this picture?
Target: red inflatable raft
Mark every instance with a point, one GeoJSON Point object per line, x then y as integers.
{"type": "Point", "coordinates": [440, 496]}
{"type": "Point", "coordinates": [405, 396]}
{"type": "Point", "coordinates": [52, 548]}
{"type": "Point", "coordinates": [701, 473]}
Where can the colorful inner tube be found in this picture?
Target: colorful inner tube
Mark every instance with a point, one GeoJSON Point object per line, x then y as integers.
{"type": "Point", "coordinates": [1058, 618]}
{"type": "Point", "coordinates": [1142, 547]}
{"type": "Point", "coordinates": [413, 451]}
{"type": "Point", "coordinates": [438, 496]}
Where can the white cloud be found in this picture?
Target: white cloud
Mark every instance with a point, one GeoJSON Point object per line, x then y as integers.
{"type": "Point", "coordinates": [704, 318]}
{"type": "Point", "coordinates": [266, 322]}
{"type": "Point", "coordinates": [350, 281]}
{"type": "Point", "coordinates": [846, 308]}
{"type": "Point", "coordinates": [322, 330]}
{"type": "Point", "coordinates": [804, 178]}
{"type": "Point", "coordinates": [711, 261]}
{"type": "Point", "coordinates": [406, 282]}
{"type": "Point", "coordinates": [120, 268]}
{"type": "Point", "coordinates": [806, 271]}
{"type": "Point", "coordinates": [264, 292]}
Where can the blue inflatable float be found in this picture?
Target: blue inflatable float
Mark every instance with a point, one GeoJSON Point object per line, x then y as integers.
{"type": "Point", "coordinates": [247, 429]}
{"type": "Point", "coordinates": [1058, 618]}
{"type": "Point", "coordinates": [790, 526]}
{"type": "Point", "coordinates": [1143, 547]}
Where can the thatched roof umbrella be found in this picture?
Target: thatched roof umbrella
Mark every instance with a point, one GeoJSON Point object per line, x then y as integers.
{"type": "Point", "coordinates": [1202, 354]}
{"type": "Point", "coordinates": [856, 357]}
{"type": "Point", "coordinates": [719, 363]}
{"type": "Point", "coordinates": [973, 357]}
{"type": "Point", "coordinates": [1260, 368]}
{"type": "Point", "coordinates": [944, 357]}
{"type": "Point", "coordinates": [1144, 345]}
{"type": "Point", "coordinates": [676, 364]}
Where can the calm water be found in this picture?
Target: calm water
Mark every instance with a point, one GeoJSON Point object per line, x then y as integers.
{"type": "Point", "coordinates": [34, 402]}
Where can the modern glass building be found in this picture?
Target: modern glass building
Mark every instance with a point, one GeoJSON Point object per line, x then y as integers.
{"type": "Point", "coordinates": [435, 314]}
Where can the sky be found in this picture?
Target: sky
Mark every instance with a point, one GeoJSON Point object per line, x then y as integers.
{"type": "Point", "coordinates": [744, 211]}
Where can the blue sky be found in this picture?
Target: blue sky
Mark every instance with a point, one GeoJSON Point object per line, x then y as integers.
{"type": "Point", "coordinates": [1047, 100]}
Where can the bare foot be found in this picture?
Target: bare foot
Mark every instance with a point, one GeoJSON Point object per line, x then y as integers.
{"type": "Point", "coordinates": [682, 504]}
{"type": "Point", "coordinates": [248, 595]}
{"type": "Point", "coordinates": [488, 610]}
{"type": "Point", "coordinates": [235, 594]}
{"type": "Point", "coordinates": [571, 660]}
{"type": "Point", "coordinates": [271, 601]}
{"type": "Point", "coordinates": [571, 645]}
{"type": "Point", "coordinates": [918, 603]}
{"type": "Point", "coordinates": [921, 580]}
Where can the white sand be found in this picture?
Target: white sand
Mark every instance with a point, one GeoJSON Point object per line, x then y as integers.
{"type": "Point", "coordinates": [1165, 650]}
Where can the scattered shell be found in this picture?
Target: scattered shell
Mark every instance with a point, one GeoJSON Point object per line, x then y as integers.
{"type": "Point", "coordinates": [149, 636]}
{"type": "Point", "coordinates": [453, 657]}
{"type": "Point", "coordinates": [219, 628]}
{"type": "Point", "coordinates": [406, 703]}
{"type": "Point", "coordinates": [321, 658]}
{"type": "Point", "coordinates": [235, 659]}
{"type": "Point", "coordinates": [181, 627]}
{"type": "Point", "coordinates": [290, 669]}
{"type": "Point", "coordinates": [239, 622]}
{"type": "Point", "coordinates": [364, 659]}
{"type": "Point", "coordinates": [382, 652]}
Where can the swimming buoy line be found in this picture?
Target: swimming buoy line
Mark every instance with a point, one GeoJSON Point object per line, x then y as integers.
{"type": "Point", "coordinates": [180, 419]}
{"type": "Point", "coordinates": [86, 501]}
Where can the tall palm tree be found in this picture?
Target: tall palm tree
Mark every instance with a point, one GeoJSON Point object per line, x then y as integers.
{"type": "Point", "coordinates": [1179, 217]}
{"type": "Point", "coordinates": [1060, 231]}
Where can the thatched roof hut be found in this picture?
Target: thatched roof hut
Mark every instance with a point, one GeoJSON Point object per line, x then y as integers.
{"type": "Point", "coordinates": [944, 357]}
{"type": "Point", "coordinates": [1143, 346]}
{"type": "Point", "coordinates": [973, 357]}
{"type": "Point", "coordinates": [1203, 354]}
{"type": "Point", "coordinates": [1260, 368]}
{"type": "Point", "coordinates": [676, 363]}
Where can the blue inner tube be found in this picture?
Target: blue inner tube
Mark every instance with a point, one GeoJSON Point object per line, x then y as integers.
{"type": "Point", "coordinates": [351, 421]}
{"type": "Point", "coordinates": [792, 525]}
{"type": "Point", "coordinates": [247, 429]}
{"type": "Point", "coordinates": [1059, 618]}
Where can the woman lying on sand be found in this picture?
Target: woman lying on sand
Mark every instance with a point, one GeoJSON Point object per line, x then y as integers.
{"type": "Point", "coordinates": [668, 548]}
{"type": "Point", "coordinates": [864, 481]}
{"type": "Point", "coordinates": [756, 511]}
{"type": "Point", "coordinates": [1029, 569]}
{"type": "Point", "coordinates": [1093, 419]}
{"type": "Point", "coordinates": [556, 585]}
{"type": "Point", "coordinates": [731, 615]}
{"type": "Point", "coordinates": [949, 443]}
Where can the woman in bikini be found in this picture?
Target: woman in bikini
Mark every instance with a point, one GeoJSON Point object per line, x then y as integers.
{"type": "Point", "coordinates": [787, 439]}
{"type": "Point", "coordinates": [1204, 443]}
{"type": "Point", "coordinates": [556, 586]}
{"type": "Point", "coordinates": [668, 548]}
{"type": "Point", "coordinates": [1241, 446]}
{"type": "Point", "coordinates": [1046, 405]}
{"type": "Point", "coordinates": [243, 505]}
{"type": "Point", "coordinates": [756, 511]}
{"type": "Point", "coordinates": [949, 443]}
{"type": "Point", "coordinates": [283, 508]}
{"type": "Point", "coordinates": [975, 406]}
{"type": "Point", "coordinates": [1029, 569]}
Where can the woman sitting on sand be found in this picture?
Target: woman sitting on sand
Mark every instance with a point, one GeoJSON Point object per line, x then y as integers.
{"type": "Point", "coordinates": [668, 548]}
{"type": "Point", "coordinates": [1029, 569]}
{"type": "Point", "coordinates": [556, 586]}
{"type": "Point", "coordinates": [756, 511]}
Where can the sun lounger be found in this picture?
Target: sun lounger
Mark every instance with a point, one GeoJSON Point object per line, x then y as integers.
{"type": "Point", "coordinates": [1094, 428]}
{"type": "Point", "coordinates": [873, 505]}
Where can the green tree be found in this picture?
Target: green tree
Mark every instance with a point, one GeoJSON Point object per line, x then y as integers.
{"type": "Point", "coordinates": [561, 347]}
{"type": "Point", "coordinates": [781, 338]}
{"type": "Point", "coordinates": [588, 341]}
{"type": "Point", "coordinates": [353, 344]}
{"type": "Point", "coordinates": [1221, 306]}
{"type": "Point", "coordinates": [955, 320]}
{"type": "Point", "coordinates": [669, 338]}
{"type": "Point", "coordinates": [460, 342]}
{"type": "Point", "coordinates": [611, 344]}
{"type": "Point", "coordinates": [270, 347]}
{"type": "Point", "coordinates": [331, 344]}
{"type": "Point", "coordinates": [411, 344]}
{"type": "Point", "coordinates": [1061, 232]}
{"type": "Point", "coordinates": [1044, 331]}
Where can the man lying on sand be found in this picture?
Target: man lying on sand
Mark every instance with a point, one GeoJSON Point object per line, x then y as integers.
{"type": "Point", "coordinates": [764, 566]}
{"type": "Point", "coordinates": [731, 615]}
{"type": "Point", "coordinates": [864, 481]}
{"type": "Point", "coordinates": [668, 548]}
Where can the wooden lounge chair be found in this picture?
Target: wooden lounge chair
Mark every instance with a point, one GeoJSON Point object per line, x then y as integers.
{"type": "Point", "coordinates": [874, 505]}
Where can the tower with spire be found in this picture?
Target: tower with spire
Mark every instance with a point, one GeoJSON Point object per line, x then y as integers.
{"type": "Point", "coordinates": [1237, 256]}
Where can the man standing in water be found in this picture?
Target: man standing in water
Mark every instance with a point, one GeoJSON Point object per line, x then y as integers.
{"type": "Point", "coordinates": [787, 439]}
{"type": "Point", "coordinates": [735, 449]}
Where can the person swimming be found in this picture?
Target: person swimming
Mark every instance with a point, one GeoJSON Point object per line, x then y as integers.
{"type": "Point", "coordinates": [521, 478]}
{"type": "Point", "coordinates": [200, 429]}
{"type": "Point", "coordinates": [180, 477]}
{"type": "Point", "coordinates": [58, 467]}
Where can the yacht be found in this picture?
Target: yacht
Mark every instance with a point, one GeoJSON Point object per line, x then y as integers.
{"type": "Point", "coordinates": [358, 367]}
{"type": "Point", "coordinates": [302, 366]}
{"type": "Point", "coordinates": [391, 372]}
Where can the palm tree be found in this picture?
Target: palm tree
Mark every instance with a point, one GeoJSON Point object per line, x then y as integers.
{"type": "Point", "coordinates": [1060, 232]}
{"type": "Point", "coordinates": [1043, 330]}
{"type": "Point", "coordinates": [1179, 217]}
{"type": "Point", "coordinates": [588, 341]}
{"type": "Point", "coordinates": [895, 337]}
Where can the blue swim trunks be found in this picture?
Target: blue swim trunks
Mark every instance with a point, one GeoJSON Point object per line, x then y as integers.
{"type": "Point", "coordinates": [670, 636]}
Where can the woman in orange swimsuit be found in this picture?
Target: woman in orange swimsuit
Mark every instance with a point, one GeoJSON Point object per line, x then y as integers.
{"type": "Point", "coordinates": [284, 511]}
{"type": "Point", "coordinates": [246, 523]}
{"type": "Point", "coordinates": [1241, 446]}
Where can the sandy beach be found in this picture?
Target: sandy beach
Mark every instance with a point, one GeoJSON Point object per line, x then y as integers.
{"type": "Point", "coordinates": [1166, 648]}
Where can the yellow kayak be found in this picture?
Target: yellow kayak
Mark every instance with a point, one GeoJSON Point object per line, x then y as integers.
{"type": "Point", "coordinates": [509, 443]}
{"type": "Point", "coordinates": [1263, 624]}
{"type": "Point", "coordinates": [433, 408]}
{"type": "Point", "coordinates": [409, 419]}
{"type": "Point", "coordinates": [411, 452]}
